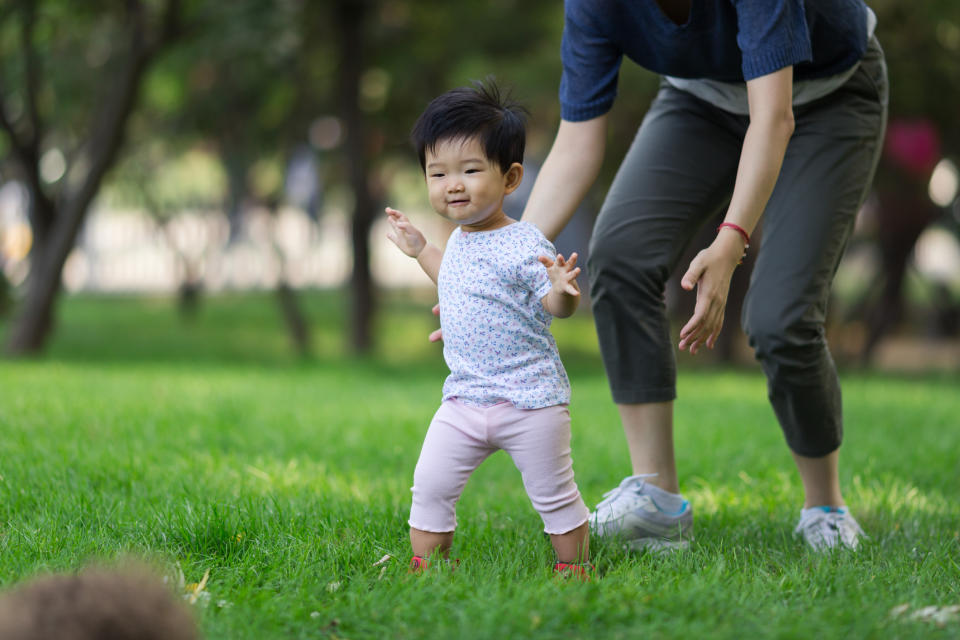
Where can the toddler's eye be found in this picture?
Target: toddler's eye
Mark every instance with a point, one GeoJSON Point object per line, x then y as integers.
{"type": "Point", "coordinates": [436, 175]}
{"type": "Point", "coordinates": [473, 170]}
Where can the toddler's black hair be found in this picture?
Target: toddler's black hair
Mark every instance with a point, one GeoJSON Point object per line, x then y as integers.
{"type": "Point", "coordinates": [481, 111]}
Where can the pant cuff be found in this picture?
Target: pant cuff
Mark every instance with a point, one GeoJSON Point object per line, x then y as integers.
{"type": "Point", "coordinates": [813, 451]}
{"type": "Point", "coordinates": [432, 528]}
{"type": "Point", "coordinates": [560, 521]}
{"type": "Point", "coordinates": [622, 395]}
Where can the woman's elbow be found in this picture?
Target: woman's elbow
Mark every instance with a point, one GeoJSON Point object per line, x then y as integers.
{"type": "Point", "coordinates": [776, 124]}
{"type": "Point", "coordinates": [788, 124]}
{"type": "Point", "coordinates": [783, 121]}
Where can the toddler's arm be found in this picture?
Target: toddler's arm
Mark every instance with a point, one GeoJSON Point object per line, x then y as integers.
{"type": "Point", "coordinates": [564, 296]}
{"type": "Point", "coordinates": [409, 240]}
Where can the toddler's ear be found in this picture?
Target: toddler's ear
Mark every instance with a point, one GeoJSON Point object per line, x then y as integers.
{"type": "Point", "coordinates": [512, 177]}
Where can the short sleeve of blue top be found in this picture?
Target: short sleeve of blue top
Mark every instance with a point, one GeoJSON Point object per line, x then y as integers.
{"type": "Point", "coordinates": [726, 40]}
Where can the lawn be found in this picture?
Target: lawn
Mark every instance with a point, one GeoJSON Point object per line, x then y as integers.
{"type": "Point", "coordinates": [207, 447]}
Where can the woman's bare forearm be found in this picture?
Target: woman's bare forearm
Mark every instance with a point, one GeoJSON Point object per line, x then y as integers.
{"type": "Point", "coordinates": [764, 146]}
{"type": "Point", "coordinates": [567, 174]}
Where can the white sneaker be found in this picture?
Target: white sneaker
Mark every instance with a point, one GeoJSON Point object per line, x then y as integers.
{"type": "Point", "coordinates": [629, 513]}
{"type": "Point", "coordinates": [828, 528]}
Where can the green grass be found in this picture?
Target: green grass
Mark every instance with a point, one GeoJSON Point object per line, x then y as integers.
{"type": "Point", "coordinates": [209, 447]}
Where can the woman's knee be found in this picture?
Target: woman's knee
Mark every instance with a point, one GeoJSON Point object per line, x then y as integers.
{"type": "Point", "coordinates": [773, 334]}
{"type": "Point", "coordinates": [621, 258]}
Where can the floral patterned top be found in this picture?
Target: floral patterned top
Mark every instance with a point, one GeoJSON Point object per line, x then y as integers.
{"type": "Point", "coordinates": [496, 333]}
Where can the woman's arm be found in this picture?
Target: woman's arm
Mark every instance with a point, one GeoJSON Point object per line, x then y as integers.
{"type": "Point", "coordinates": [764, 145]}
{"type": "Point", "coordinates": [567, 174]}
{"type": "Point", "coordinates": [771, 125]}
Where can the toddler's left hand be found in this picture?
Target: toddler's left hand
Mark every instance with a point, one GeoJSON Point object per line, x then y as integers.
{"type": "Point", "coordinates": [563, 273]}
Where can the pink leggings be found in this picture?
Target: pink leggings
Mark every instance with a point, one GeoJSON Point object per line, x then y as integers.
{"type": "Point", "coordinates": [462, 436]}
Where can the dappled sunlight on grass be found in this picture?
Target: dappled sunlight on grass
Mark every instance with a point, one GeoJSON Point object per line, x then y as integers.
{"type": "Point", "coordinates": [897, 497]}
{"type": "Point", "coordinates": [266, 476]}
{"type": "Point", "coordinates": [746, 495]}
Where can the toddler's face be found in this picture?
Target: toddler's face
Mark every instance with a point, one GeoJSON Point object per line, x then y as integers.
{"type": "Point", "coordinates": [463, 184]}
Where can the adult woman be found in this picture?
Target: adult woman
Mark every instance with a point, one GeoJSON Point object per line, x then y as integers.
{"type": "Point", "coordinates": [767, 107]}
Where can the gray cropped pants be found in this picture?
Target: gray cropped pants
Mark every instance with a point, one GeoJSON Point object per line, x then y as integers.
{"type": "Point", "coordinates": [678, 174]}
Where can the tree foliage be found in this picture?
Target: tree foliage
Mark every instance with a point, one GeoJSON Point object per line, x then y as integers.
{"type": "Point", "coordinates": [45, 115]}
{"type": "Point", "coordinates": [246, 80]}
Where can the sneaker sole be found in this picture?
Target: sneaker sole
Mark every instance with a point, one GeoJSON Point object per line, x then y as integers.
{"type": "Point", "coordinates": [657, 545]}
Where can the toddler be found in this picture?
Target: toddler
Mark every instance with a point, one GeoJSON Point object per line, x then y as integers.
{"type": "Point", "coordinates": [500, 283]}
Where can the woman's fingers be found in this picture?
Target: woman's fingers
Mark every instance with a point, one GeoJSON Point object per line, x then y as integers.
{"type": "Point", "coordinates": [693, 274]}
{"type": "Point", "coordinates": [703, 328]}
{"type": "Point", "coordinates": [691, 330]}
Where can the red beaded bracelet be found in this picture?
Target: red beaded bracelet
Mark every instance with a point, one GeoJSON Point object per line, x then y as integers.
{"type": "Point", "coordinates": [739, 229]}
{"type": "Point", "coordinates": [742, 232]}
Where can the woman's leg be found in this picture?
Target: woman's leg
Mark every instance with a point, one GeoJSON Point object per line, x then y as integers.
{"type": "Point", "coordinates": [821, 479]}
{"type": "Point", "coordinates": [649, 431]}
{"type": "Point", "coordinates": [678, 173]}
{"type": "Point", "coordinates": [825, 177]}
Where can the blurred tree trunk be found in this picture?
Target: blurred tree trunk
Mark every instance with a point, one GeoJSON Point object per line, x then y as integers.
{"type": "Point", "coordinates": [351, 17]}
{"type": "Point", "coordinates": [190, 288]}
{"type": "Point", "coordinates": [5, 296]}
{"type": "Point", "coordinates": [298, 328]}
{"type": "Point", "coordinates": [56, 223]}
{"type": "Point", "coordinates": [294, 318]}
{"type": "Point", "coordinates": [236, 166]}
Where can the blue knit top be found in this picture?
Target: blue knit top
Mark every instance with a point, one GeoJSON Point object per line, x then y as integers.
{"type": "Point", "coordinates": [726, 40]}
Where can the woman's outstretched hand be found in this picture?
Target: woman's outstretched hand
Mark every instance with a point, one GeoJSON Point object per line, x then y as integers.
{"type": "Point", "coordinates": [710, 272]}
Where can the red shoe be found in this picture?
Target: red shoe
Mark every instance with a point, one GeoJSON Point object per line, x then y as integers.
{"type": "Point", "coordinates": [418, 565]}
{"type": "Point", "coordinates": [577, 571]}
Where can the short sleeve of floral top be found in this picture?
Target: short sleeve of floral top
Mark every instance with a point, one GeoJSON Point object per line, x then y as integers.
{"type": "Point", "coordinates": [496, 333]}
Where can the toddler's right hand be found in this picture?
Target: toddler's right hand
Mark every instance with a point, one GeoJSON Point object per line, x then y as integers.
{"type": "Point", "coordinates": [403, 234]}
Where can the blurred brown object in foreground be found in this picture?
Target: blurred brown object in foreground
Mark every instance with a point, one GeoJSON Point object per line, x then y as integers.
{"type": "Point", "coordinates": [96, 604]}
